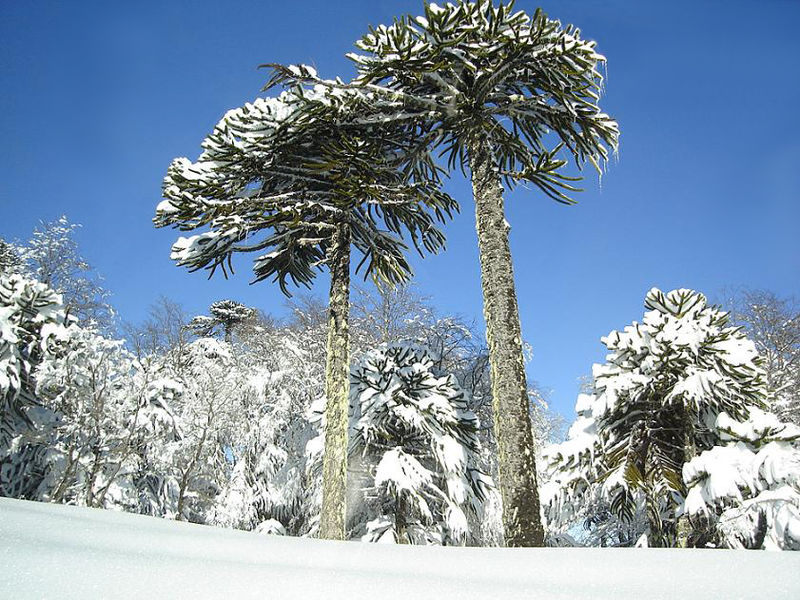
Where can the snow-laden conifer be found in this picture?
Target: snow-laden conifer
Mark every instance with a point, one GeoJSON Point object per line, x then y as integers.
{"type": "Point", "coordinates": [224, 316]}
{"type": "Point", "coordinates": [415, 449]}
{"type": "Point", "coordinates": [33, 323]}
{"type": "Point", "coordinates": [494, 86]}
{"type": "Point", "coordinates": [655, 405]}
{"type": "Point", "coordinates": [747, 488]}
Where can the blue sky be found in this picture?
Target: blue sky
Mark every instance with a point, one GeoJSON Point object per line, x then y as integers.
{"type": "Point", "coordinates": [98, 97]}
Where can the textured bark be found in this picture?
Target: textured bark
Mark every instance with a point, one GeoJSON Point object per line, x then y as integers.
{"type": "Point", "coordinates": [337, 387]}
{"type": "Point", "coordinates": [516, 460]}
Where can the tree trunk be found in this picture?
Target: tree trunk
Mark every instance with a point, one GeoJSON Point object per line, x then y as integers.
{"type": "Point", "coordinates": [655, 537]}
{"type": "Point", "coordinates": [400, 527]}
{"type": "Point", "coordinates": [684, 528]}
{"type": "Point", "coordinates": [512, 426]}
{"type": "Point", "coordinates": [337, 389]}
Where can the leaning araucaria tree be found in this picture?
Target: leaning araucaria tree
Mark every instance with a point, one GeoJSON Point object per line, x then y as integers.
{"type": "Point", "coordinates": [503, 94]}
{"type": "Point", "coordinates": [300, 179]}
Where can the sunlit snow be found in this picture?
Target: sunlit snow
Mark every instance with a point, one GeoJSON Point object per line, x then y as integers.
{"type": "Point", "coordinates": [57, 551]}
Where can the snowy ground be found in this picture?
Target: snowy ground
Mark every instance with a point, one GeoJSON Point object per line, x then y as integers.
{"type": "Point", "coordinates": [54, 551]}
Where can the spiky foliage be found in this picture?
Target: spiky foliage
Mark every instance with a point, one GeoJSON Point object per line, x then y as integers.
{"type": "Point", "coordinates": [288, 172]}
{"type": "Point", "coordinates": [745, 491]}
{"type": "Point", "coordinates": [415, 442]}
{"type": "Point", "coordinates": [475, 70]}
{"type": "Point", "coordinates": [32, 323]}
{"type": "Point", "coordinates": [654, 406]}
{"type": "Point", "coordinates": [274, 177]}
{"type": "Point", "coordinates": [224, 316]}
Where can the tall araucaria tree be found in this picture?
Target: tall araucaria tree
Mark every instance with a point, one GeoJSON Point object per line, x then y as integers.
{"type": "Point", "coordinates": [497, 86]}
{"type": "Point", "coordinates": [304, 177]}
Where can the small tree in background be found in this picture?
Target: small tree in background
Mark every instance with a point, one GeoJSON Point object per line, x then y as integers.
{"type": "Point", "coordinates": [224, 315]}
{"type": "Point", "coordinates": [773, 323]}
{"type": "Point", "coordinates": [10, 259]}
{"type": "Point", "coordinates": [53, 257]}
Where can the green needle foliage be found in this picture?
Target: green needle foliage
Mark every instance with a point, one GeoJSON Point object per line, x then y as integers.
{"type": "Point", "coordinates": [281, 173]}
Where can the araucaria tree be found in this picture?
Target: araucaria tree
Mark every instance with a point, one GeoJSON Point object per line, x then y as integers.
{"type": "Point", "coordinates": [304, 177]}
{"type": "Point", "coordinates": [676, 385]}
{"type": "Point", "coordinates": [224, 316]}
{"type": "Point", "coordinates": [415, 443]}
{"type": "Point", "coordinates": [497, 86]}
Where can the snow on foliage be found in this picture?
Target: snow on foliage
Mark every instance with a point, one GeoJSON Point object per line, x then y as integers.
{"type": "Point", "coordinates": [52, 256]}
{"type": "Point", "coordinates": [512, 67]}
{"type": "Point", "coordinates": [414, 446]}
{"type": "Point", "coordinates": [32, 324]}
{"type": "Point", "coordinates": [280, 174]}
{"type": "Point", "coordinates": [224, 317]}
{"type": "Point", "coordinates": [675, 424]}
{"type": "Point", "coordinates": [273, 478]}
{"type": "Point", "coordinates": [750, 487]}
{"type": "Point", "coordinates": [773, 323]}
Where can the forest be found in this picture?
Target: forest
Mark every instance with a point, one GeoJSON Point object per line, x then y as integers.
{"type": "Point", "coordinates": [372, 415]}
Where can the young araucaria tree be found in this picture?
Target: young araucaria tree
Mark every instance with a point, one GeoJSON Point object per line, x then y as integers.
{"type": "Point", "coordinates": [496, 87]}
{"type": "Point", "coordinates": [416, 442]}
{"type": "Point", "coordinates": [674, 387]}
{"type": "Point", "coordinates": [301, 178]}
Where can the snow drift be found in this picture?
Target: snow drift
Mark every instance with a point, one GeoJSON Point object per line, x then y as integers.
{"type": "Point", "coordinates": [57, 551]}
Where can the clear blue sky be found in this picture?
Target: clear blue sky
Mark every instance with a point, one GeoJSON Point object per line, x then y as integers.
{"type": "Point", "coordinates": [98, 97]}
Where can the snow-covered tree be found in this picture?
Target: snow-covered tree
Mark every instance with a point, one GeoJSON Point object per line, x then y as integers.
{"type": "Point", "coordinates": [164, 333]}
{"type": "Point", "coordinates": [400, 315]}
{"type": "Point", "coordinates": [54, 258]}
{"type": "Point", "coordinates": [80, 415]}
{"type": "Point", "coordinates": [155, 433]}
{"type": "Point", "coordinates": [207, 410]}
{"type": "Point", "coordinates": [272, 177]}
{"type": "Point", "coordinates": [773, 323]}
{"type": "Point", "coordinates": [10, 260]}
{"type": "Point", "coordinates": [494, 85]}
{"type": "Point", "coordinates": [224, 317]}
{"type": "Point", "coordinates": [272, 478]}
{"type": "Point", "coordinates": [32, 323]}
{"type": "Point", "coordinates": [415, 449]}
{"type": "Point", "coordinates": [654, 407]}
{"type": "Point", "coordinates": [90, 385]}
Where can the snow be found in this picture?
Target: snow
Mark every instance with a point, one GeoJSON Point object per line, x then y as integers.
{"type": "Point", "coordinates": [57, 551]}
